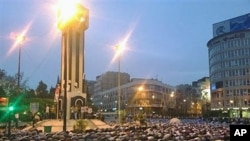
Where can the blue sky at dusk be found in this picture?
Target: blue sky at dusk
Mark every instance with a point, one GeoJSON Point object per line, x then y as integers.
{"type": "Point", "coordinates": [167, 38]}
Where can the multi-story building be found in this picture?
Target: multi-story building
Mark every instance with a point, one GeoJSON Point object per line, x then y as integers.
{"type": "Point", "coordinates": [148, 96]}
{"type": "Point", "coordinates": [109, 80]}
{"type": "Point", "coordinates": [229, 66]}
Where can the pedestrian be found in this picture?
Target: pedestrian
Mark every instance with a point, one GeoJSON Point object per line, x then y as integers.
{"type": "Point", "coordinates": [47, 112]}
{"type": "Point", "coordinates": [76, 112]}
{"type": "Point", "coordinates": [72, 110]}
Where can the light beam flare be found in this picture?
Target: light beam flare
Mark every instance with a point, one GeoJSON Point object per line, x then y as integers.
{"type": "Point", "coordinates": [121, 47]}
{"type": "Point", "coordinates": [18, 38]}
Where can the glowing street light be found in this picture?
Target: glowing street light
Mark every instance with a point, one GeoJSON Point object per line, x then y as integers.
{"type": "Point", "coordinates": [172, 95]}
{"type": "Point", "coordinates": [19, 40]}
{"type": "Point", "coordinates": [140, 88]}
{"type": "Point", "coordinates": [119, 50]}
{"type": "Point", "coordinates": [172, 101]}
{"type": "Point", "coordinates": [231, 102]}
{"type": "Point", "coordinates": [185, 106]}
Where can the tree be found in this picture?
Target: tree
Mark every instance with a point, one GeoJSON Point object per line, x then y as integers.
{"type": "Point", "coordinates": [2, 93]}
{"type": "Point", "coordinates": [30, 93]}
{"type": "Point", "coordinates": [52, 92]}
{"type": "Point", "coordinates": [21, 98]}
{"type": "Point", "coordinates": [8, 83]}
{"type": "Point", "coordinates": [41, 90]}
{"type": "Point", "coordinates": [186, 96]}
{"type": "Point", "coordinates": [2, 73]}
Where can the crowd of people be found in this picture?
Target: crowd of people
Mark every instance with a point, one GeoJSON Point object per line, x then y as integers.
{"type": "Point", "coordinates": [195, 129]}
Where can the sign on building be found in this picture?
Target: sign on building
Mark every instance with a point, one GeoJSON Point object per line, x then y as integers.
{"type": "Point", "coordinates": [34, 107]}
{"type": "Point", "coordinates": [232, 25]}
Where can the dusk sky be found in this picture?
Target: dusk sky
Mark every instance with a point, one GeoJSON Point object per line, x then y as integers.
{"type": "Point", "coordinates": [167, 38]}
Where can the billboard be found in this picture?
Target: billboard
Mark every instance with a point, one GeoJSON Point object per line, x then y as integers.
{"type": "Point", "coordinates": [231, 25]}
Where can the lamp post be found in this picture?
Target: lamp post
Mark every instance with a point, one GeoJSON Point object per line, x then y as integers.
{"type": "Point", "coordinates": [172, 103]}
{"type": "Point", "coordinates": [232, 105]}
{"type": "Point", "coordinates": [139, 98]}
{"type": "Point", "coordinates": [185, 107]}
{"type": "Point", "coordinates": [19, 39]}
{"type": "Point", "coordinates": [119, 85]}
{"type": "Point", "coordinates": [119, 49]}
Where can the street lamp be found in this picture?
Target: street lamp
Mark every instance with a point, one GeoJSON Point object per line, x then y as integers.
{"type": "Point", "coordinates": [231, 106]}
{"type": "Point", "coordinates": [172, 102]}
{"type": "Point", "coordinates": [231, 102]}
{"type": "Point", "coordinates": [185, 106]}
{"type": "Point", "coordinates": [19, 40]}
{"type": "Point", "coordinates": [172, 95]}
{"type": "Point", "coordinates": [140, 89]}
{"type": "Point", "coordinates": [138, 99]}
{"type": "Point", "coordinates": [118, 49]}
{"type": "Point", "coordinates": [172, 99]}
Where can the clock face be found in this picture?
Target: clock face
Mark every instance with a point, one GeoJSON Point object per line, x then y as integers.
{"type": "Point", "coordinates": [220, 30]}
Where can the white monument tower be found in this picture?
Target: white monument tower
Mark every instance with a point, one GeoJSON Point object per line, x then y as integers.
{"type": "Point", "coordinates": [73, 25]}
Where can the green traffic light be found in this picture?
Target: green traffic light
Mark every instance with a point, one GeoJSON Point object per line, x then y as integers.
{"type": "Point", "coordinates": [11, 108]}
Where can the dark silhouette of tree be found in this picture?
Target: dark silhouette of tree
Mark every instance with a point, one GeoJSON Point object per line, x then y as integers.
{"type": "Point", "coordinates": [2, 73]}
{"type": "Point", "coordinates": [2, 93]}
{"type": "Point", "coordinates": [21, 98]}
{"type": "Point", "coordinates": [8, 83]}
{"type": "Point", "coordinates": [186, 91]}
{"type": "Point", "coordinates": [58, 80]}
{"type": "Point", "coordinates": [52, 92]}
{"type": "Point", "coordinates": [30, 93]}
{"type": "Point", "coordinates": [185, 96]}
{"type": "Point", "coordinates": [41, 90]}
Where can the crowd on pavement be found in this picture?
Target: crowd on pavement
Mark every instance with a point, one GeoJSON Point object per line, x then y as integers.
{"type": "Point", "coordinates": [195, 129]}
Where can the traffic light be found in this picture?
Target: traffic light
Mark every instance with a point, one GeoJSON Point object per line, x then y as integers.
{"type": "Point", "coordinates": [11, 108]}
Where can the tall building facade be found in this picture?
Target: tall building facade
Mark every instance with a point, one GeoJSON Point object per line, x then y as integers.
{"type": "Point", "coordinates": [148, 96]}
{"type": "Point", "coordinates": [109, 80]}
{"type": "Point", "coordinates": [229, 66]}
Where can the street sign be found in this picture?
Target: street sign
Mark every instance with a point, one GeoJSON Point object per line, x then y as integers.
{"type": "Point", "coordinates": [85, 109]}
{"type": "Point", "coordinates": [34, 107]}
{"type": "Point", "coordinates": [90, 110]}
